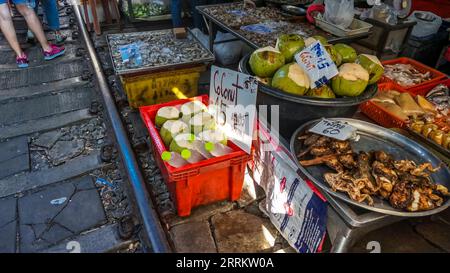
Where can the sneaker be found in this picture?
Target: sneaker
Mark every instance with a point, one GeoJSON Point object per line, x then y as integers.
{"type": "Point", "coordinates": [56, 51]}
{"type": "Point", "coordinates": [22, 61]}
{"type": "Point", "coordinates": [60, 38]}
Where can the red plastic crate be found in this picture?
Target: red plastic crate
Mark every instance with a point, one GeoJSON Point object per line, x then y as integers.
{"type": "Point", "coordinates": [423, 90]}
{"type": "Point", "coordinates": [436, 75]}
{"type": "Point", "coordinates": [378, 114]}
{"type": "Point", "coordinates": [208, 181]}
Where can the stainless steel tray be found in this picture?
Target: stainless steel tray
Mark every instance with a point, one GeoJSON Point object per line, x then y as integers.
{"type": "Point", "coordinates": [205, 57]}
{"type": "Point", "coordinates": [374, 137]}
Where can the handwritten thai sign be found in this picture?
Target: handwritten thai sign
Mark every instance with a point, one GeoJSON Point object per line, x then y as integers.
{"type": "Point", "coordinates": [334, 129]}
{"type": "Point", "coordinates": [317, 63]}
{"type": "Point", "coordinates": [232, 101]}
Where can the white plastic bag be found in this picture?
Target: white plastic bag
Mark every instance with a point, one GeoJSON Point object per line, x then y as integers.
{"type": "Point", "coordinates": [427, 27]}
{"type": "Point", "coordinates": [339, 12]}
{"type": "Point", "coordinates": [229, 52]}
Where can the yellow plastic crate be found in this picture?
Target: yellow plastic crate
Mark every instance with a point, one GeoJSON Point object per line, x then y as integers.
{"type": "Point", "coordinates": [162, 87]}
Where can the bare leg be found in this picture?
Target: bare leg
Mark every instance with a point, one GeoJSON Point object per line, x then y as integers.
{"type": "Point", "coordinates": [8, 30]}
{"type": "Point", "coordinates": [34, 24]}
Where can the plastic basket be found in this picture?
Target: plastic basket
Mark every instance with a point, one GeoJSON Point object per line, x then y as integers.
{"type": "Point", "coordinates": [208, 181]}
{"type": "Point", "coordinates": [424, 89]}
{"type": "Point", "coordinates": [162, 87]}
{"type": "Point", "coordinates": [436, 75]}
{"type": "Point", "coordinates": [378, 114]}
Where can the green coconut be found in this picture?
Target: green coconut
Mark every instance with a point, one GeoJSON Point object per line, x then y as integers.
{"type": "Point", "coordinates": [201, 122]}
{"type": "Point", "coordinates": [172, 128]}
{"type": "Point", "coordinates": [347, 52]}
{"type": "Point", "coordinates": [190, 109]}
{"type": "Point", "coordinates": [351, 81]}
{"type": "Point", "coordinates": [334, 54]}
{"type": "Point", "coordinates": [214, 136]}
{"type": "Point", "coordinates": [323, 92]}
{"type": "Point", "coordinates": [291, 78]}
{"type": "Point", "coordinates": [289, 44]}
{"type": "Point", "coordinates": [166, 113]}
{"type": "Point", "coordinates": [265, 61]}
{"type": "Point", "coordinates": [311, 40]}
{"type": "Point", "coordinates": [373, 66]}
{"type": "Point", "coordinates": [181, 142]}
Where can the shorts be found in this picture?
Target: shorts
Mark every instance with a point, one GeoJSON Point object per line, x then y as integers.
{"type": "Point", "coordinates": [15, 2]}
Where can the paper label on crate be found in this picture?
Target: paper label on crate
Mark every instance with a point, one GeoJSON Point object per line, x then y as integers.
{"type": "Point", "coordinates": [334, 129]}
{"type": "Point", "coordinates": [317, 63]}
{"type": "Point", "coordinates": [232, 102]}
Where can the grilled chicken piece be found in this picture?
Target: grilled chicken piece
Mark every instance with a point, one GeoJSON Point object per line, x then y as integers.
{"type": "Point", "coordinates": [379, 169]}
{"type": "Point", "coordinates": [442, 190]}
{"type": "Point", "coordinates": [347, 160]}
{"type": "Point", "coordinates": [404, 165]}
{"type": "Point", "coordinates": [344, 182]}
{"type": "Point", "coordinates": [334, 163]}
{"type": "Point", "coordinates": [401, 196]}
{"type": "Point", "coordinates": [341, 147]}
{"type": "Point", "coordinates": [383, 157]}
{"type": "Point", "coordinates": [421, 170]}
{"type": "Point", "coordinates": [311, 139]}
{"type": "Point", "coordinates": [320, 151]}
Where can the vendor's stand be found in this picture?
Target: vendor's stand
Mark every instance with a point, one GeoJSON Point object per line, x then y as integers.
{"type": "Point", "coordinates": [247, 25]}
{"type": "Point", "coordinates": [156, 67]}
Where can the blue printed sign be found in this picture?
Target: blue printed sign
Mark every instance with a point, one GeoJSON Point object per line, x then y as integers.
{"type": "Point", "coordinates": [317, 63]}
{"type": "Point", "coordinates": [258, 28]}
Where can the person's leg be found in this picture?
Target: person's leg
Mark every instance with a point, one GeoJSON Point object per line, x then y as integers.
{"type": "Point", "coordinates": [34, 24]}
{"type": "Point", "coordinates": [7, 27]}
{"type": "Point", "coordinates": [196, 16]}
{"type": "Point", "coordinates": [175, 7]}
{"type": "Point", "coordinates": [51, 12]}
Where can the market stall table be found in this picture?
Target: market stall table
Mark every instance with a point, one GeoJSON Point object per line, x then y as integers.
{"type": "Point", "coordinates": [231, 17]}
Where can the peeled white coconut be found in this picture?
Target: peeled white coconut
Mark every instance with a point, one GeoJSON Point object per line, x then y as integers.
{"type": "Point", "coordinates": [200, 122]}
{"type": "Point", "coordinates": [189, 109]}
{"type": "Point", "coordinates": [181, 142]}
{"type": "Point", "coordinates": [166, 113]}
{"type": "Point", "coordinates": [214, 136]}
{"type": "Point", "coordinates": [172, 128]}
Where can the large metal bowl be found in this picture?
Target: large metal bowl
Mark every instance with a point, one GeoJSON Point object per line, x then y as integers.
{"type": "Point", "coordinates": [374, 137]}
{"type": "Point", "coordinates": [295, 110]}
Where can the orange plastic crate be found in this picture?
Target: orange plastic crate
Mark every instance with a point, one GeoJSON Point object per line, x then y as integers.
{"type": "Point", "coordinates": [436, 75]}
{"type": "Point", "coordinates": [423, 90]}
{"type": "Point", "coordinates": [378, 114]}
{"type": "Point", "coordinates": [204, 182]}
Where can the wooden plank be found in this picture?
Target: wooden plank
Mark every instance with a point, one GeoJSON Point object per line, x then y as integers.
{"type": "Point", "coordinates": [44, 106]}
{"type": "Point", "coordinates": [73, 168]}
{"type": "Point", "coordinates": [15, 165]}
{"type": "Point", "coordinates": [39, 89]}
{"type": "Point", "coordinates": [13, 148]}
{"type": "Point", "coordinates": [44, 124]}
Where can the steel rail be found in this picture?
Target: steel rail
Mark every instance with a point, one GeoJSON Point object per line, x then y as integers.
{"type": "Point", "coordinates": [150, 219]}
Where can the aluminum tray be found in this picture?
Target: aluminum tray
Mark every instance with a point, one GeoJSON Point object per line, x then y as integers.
{"type": "Point", "coordinates": [374, 137]}
{"type": "Point", "coordinates": [207, 58]}
{"type": "Point", "coordinates": [356, 27]}
{"type": "Point", "coordinates": [430, 142]}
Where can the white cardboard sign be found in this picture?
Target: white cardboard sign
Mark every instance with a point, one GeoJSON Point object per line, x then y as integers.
{"type": "Point", "coordinates": [317, 63]}
{"type": "Point", "coordinates": [334, 129]}
{"type": "Point", "coordinates": [232, 101]}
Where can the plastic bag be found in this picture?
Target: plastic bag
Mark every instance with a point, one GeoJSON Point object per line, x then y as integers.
{"type": "Point", "coordinates": [428, 23]}
{"type": "Point", "coordinates": [229, 52]}
{"type": "Point", "coordinates": [339, 12]}
{"type": "Point", "coordinates": [383, 13]}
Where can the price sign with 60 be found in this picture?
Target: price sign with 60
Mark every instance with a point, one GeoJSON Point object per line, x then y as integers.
{"type": "Point", "coordinates": [334, 129]}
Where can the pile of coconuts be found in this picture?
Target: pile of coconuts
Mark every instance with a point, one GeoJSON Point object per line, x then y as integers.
{"type": "Point", "coordinates": [277, 67]}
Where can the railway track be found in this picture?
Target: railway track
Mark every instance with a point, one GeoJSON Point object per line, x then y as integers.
{"type": "Point", "coordinates": [69, 180]}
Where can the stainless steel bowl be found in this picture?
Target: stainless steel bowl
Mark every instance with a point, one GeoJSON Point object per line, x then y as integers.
{"type": "Point", "coordinates": [374, 137]}
{"type": "Point", "coordinates": [294, 10]}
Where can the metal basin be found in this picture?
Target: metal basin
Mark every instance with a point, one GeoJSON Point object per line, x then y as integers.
{"type": "Point", "coordinates": [374, 137]}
